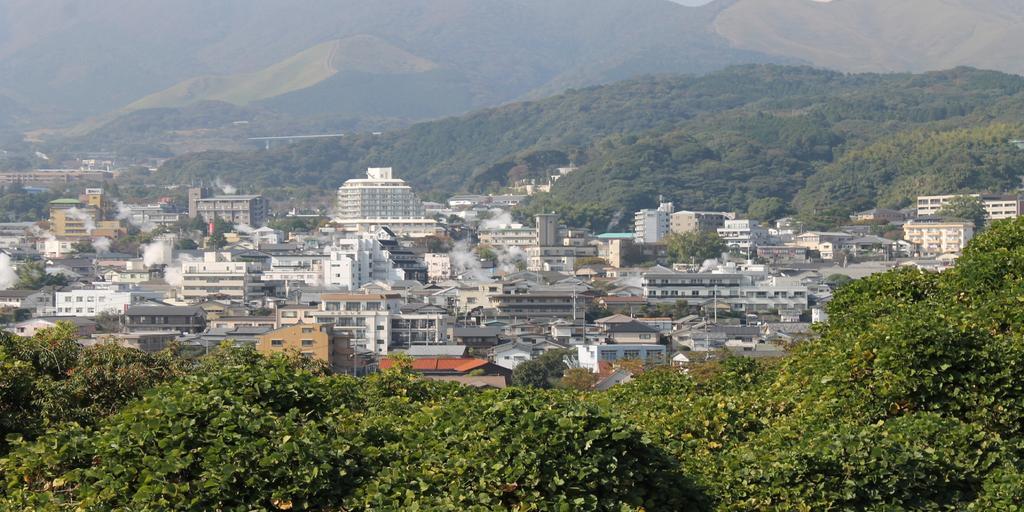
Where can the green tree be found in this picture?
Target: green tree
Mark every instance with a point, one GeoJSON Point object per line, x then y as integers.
{"type": "Point", "coordinates": [767, 208]}
{"type": "Point", "coordinates": [965, 207]}
{"type": "Point", "coordinates": [694, 247]}
{"type": "Point", "coordinates": [32, 275]}
{"type": "Point", "coordinates": [543, 371]}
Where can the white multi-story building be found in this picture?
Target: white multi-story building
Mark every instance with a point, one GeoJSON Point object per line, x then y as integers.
{"type": "Point", "coordinates": [92, 301]}
{"type": "Point", "coordinates": [510, 235]}
{"type": "Point", "coordinates": [742, 292]}
{"type": "Point", "coordinates": [743, 234]}
{"type": "Point", "coordinates": [591, 356]}
{"type": "Point", "coordinates": [439, 266]}
{"type": "Point", "coordinates": [932, 237]}
{"type": "Point", "coordinates": [364, 205]}
{"type": "Point", "coordinates": [651, 226]}
{"type": "Point", "coordinates": [352, 262]}
{"type": "Point", "coordinates": [219, 276]}
{"type": "Point", "coordinates": [365, 318]}
{"type": "Point", "coordinates": [997, 207]}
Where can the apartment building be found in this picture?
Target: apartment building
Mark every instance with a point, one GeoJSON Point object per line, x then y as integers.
{"type": "Point", "coordinates": [220, 275]}
{"type": "Point", "coordinates": [997, 207]}
{"type": "Point", "coordinates": [651, 226]}
{"type": "Point", "coordinates": [150, 214]}
{"type": "Point", "coordinates": [743, 235]}
{"type": "Point", "coordinates": [182, 319]}
{"type": "Point", "coordinates": [539, 303]}
{"type": "Point", "coordinates": [364, 318]}
{"type": "Point", "coordinates": [314, 341]}
{"type": "Point", "coordinates": [936, 236]}
{"type": "Point", "coordinates": [693, 222]}
{"type": "Point", "coordinates": [382, 200]}
{"type": "Point", "coordinates": [742, 292]}
{"type": "Point", "coordinates": [353, 262]}
{"type": "Point", "coordinates": [511, 235]}
{"type": "Point", "coordinates": [92, 301]}
{"type": "Point", "coordinates": [439, 266]}
{"type": "Point", "coordinates": [251, 210]}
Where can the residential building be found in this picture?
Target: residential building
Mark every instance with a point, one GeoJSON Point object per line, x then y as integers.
{"type": "Point", "coordinates": [782, 253]}
{"type": "Point", "coordinates": [743, 235]}
{"type": "Point", "coordinates": [364, 318]}
{"type": "Point", "coordinates": [183, 319]}
{"type": "Point", "coordinates": [38, 301]}
{"type": "Point", "coordinates": [741, 292]}
{"type": "Point", "coordinates": [693, 222]}
{"type": "Point", "coordinates": [418, 324]}
{"type": "Point", "coordinates": [439, 266]}
{"type": "Point", "coordinates": [539, 302]}
{"type": "Point", "coordinates": [473, 372]}
{"type": "Point", "coordinates": [997, 207]}
{"type": "Point", "coordinates": [878, 215]}
{"type": "Point", "coordinates": [591, 357]}
{"type": "Point", "coordinates": [251, 210]}
{"type": "Point", "coordinates": [149, 215]}
{"type": "Point", "coordinates": [314, 341]}
{"type": "Point", "coordinates": [512, 354]}
{"type": "Point", "coordinates": [813, 240]}
{"type": "Point", "coordinates": [354, 262]}
{"type": "Point", "coordinates": [220, 275]}
{"type": "Point", "coordinates": [937, 236]}
{"type": "Point", "coordinates": [92, 301]}
{"type": "Point", "coordinates": [509, 235]}
{"type": "Point", "coordinates": [83, 327]}
{"type": "Point", "coordinates": [651, 226]}
{"type": "Point", "coordinates": [364, 205]}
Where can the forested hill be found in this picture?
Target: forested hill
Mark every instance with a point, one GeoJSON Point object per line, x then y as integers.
{"type": "Point", "coordinates": [722, 140]}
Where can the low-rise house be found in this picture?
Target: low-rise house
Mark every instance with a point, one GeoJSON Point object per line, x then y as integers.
{"type": "Point", "coordinates": [512, 354]}
{"type": "Point", "coordinates": [591, 357]}
{"type": "Point", "coordinates": [33, 300]}
{"type": "Point", "coordinates": [446, 368]}
{"type": "Point", "coordinates": [476, 337]}
{"type": "Point", "coordinates": [184, 319]}
{"type": "Point", "coordinates": [28, 328]}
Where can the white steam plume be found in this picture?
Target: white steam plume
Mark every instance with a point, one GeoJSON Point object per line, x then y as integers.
{"type": "Point", "coordinates": [124, 212]}
{"type": "Point", "coordinates": [101, 244]}
{"type": "Point", "coordinates": [225, 187]}
{"type": "Point", "coordinates": [156, 253]}
{"type": "Point", "coordinates": [510, 258]}
{"type": "Point", "coordinates": [499, 219]}
{"type": "Point", "coordinates": [85, 218]}
{"type": "Point", "coordinates": [465, 263]}
{"type": "Point", "coordinates": [172, 272]}
{"type": "Point", "coordinates": [8, 276]}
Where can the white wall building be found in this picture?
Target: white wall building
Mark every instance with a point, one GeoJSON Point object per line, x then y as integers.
{"type": "Point", "coordinates": [997, 207]}
{"type": "Point", "coordinates": [651, 226]}
{"type": "Point", "coordinates": [439, 266]}
{"type": "Point", "coordinates": [353, 262]}
{"type": "Point", "coordinates": [89, 302]}
{"type": "Point", "coordinates": [743, 234]}
{"type": "Point", "coordinates": [590, 356]}
{"type": "Point", "coordinates": [382, 200]}
{"type": "Point", "coordinates": [218, 275]}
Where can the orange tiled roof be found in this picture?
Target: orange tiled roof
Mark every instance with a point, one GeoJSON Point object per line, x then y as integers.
{"type": "Point", "coordinates": [428, 364]}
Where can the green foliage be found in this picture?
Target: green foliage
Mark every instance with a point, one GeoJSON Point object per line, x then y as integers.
{"type": "Point", "coordinates": [50, 380]}
{"type": "Point", "coordinates": [967, 208]}
{"type": "Point", "coordinates": [767, 209]}
{"type": "Point", "coordinates": [695, 247]}
{"type": "Point", "coordinates": [542, 371]}
{"type": "Point", "coordinates": [32, 276]}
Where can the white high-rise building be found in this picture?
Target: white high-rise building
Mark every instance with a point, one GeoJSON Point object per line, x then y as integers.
{"type": "Point", "coordinates": [353, 262]}
{"type": "Point", "coordinates": [382, 200]}
{"type": "Point", "coordinates": [651, 226]}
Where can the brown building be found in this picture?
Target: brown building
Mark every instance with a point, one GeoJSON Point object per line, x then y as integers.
{"type": "Point", "coordinates": [315, 341]}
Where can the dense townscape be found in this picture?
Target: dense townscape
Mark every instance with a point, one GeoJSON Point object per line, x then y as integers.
{"type": "Point", "coordinates": [558, 255]}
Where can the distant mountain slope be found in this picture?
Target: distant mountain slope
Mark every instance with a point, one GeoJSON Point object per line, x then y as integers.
{"type": "Point", "coordinates": [308, 68]}
{"type": "Point", "coordinates": [881, 35]}
{"type": "Point", "coordinates": [87, 58]}
{"type": "Point", "coordinates": [723, 140]}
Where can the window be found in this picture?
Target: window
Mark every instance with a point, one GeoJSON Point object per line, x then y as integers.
{"type": "Point", "coordinates": [276, 343]}
{"type": "Point", "coordinates": [307, 330]}
{"type": "Point", "coordinates": [307, 343]}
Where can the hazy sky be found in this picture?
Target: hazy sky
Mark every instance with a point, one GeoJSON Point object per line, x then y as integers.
{"type": "Point", "coordinates": [692, 2]}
